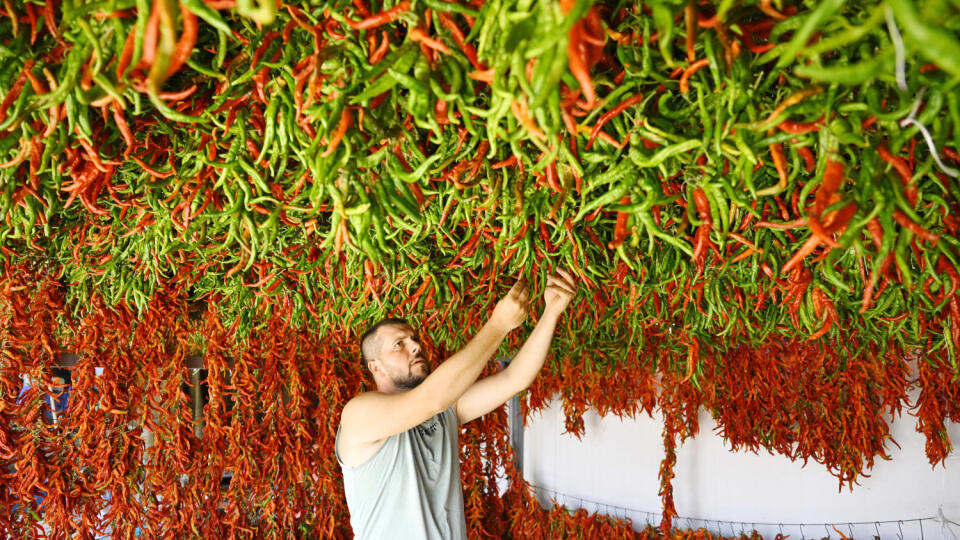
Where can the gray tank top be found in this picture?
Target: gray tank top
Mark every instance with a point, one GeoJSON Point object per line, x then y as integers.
{"type": "Point", "coordinates": [410, 488]}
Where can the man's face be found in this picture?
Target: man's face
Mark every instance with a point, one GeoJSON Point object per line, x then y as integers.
{"type": "Point", "coordinates": [401, 357]}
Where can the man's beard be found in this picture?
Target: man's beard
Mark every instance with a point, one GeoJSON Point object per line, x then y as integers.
{"type": "Point", "coordinates": [411, 380]}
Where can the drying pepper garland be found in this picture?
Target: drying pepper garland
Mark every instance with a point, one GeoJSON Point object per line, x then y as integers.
{"type": "Point", "coordinates": [762, 173]}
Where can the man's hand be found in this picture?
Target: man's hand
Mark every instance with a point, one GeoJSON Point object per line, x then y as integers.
{"type": "Point", "coordinates": [489, 393]}
{"type": "Point", "coordinates": [511, 310]}
{"type": "Point", "coordinates": [561, 288]}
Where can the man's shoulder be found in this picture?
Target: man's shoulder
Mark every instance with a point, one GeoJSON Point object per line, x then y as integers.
{"type": "Point", "coordinates": [351, 452]}
{"type": "Point", "coordinates": [356, 402]}
{"type": "Point", "coordinates": [365, 395]}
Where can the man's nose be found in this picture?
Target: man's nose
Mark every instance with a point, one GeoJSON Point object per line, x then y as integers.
{"type": "Point", "coordinates": [415, 347]}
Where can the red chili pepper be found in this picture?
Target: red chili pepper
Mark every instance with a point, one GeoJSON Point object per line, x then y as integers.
{"type": "Point", "coordinates": [702, 241]}
{"type": "Point", "coordinates": [874, 276]}
{"type": "Point", "coordinates": [188, 39]}
{"type": "Point", "coordinates": [418, 35]}
{"type": "Point", "coordinates": [150, 35]}
{"type": "Point", "coordinates": [906, 174]}
{"type": "Point", "coordinates": [689, 71]}
{"type": "Point", "coordinates": [577, 57]}
{"type": "Point", "coordinates": [810, 163]}
{"type": "Point", "coordinates": [377, 54]}
{"type": "Point", "coordinates": [381, 18]}
{"type": "Point", "coordinates": [345, 121]}
{"type": "Point", "coordinates": [609, 115]}
{"type": "Point", "coordinates": [460, 39]}
{"type": "Point", "coordinates": [780, 162]}
{"type": "Point", "coordinates": [788, 126]}
{"type": "Point", "coordinates": [620, 231]}
{"type": "Point", "coordinates": [14, 91]}
{"type": "Point", "coordinates": [808, 247]}
{"type": "Point", "coordinates": [509, 162]}
{"type": "Point", "coordinates": [519, 109]}
{"type": "Point", "coordinates": [944, 266]}
{"type": "Point", "coordinates": [908, 224]}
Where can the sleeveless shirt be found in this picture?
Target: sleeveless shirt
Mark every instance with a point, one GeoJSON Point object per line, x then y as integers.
{"type": "Point", "coordinates": [410, 488]}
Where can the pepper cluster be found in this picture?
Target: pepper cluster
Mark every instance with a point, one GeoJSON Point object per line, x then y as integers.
{"type": "Point", "coordinates": [266, 423]}
{"type": "Point", "coordinates": [417, 142]}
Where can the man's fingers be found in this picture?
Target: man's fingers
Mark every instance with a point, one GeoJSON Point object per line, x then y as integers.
{"type": "Point", "coordinates": [564, 276]}
{"type": "Point", "coordinates": [519, 287]}
{"type": "Point", "coordinates": [566, 283]}
{"type": "Point", "coordinates": [559, 288]}
{"type": "Point", "coordinates": [520, 292]}
{"type": "Point", "coordinates": [551, 282]}
{"type": "Point", "coordinates": [523, 295]}
{"type": "Point", "coordinates": [559, 280]}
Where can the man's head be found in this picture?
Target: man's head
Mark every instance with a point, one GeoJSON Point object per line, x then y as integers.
{"type": "Point", "coordinates": [391, 351]}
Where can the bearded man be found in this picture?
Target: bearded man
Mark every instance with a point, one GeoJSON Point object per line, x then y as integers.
{"type": "Point", "coordinates": [397, 446]}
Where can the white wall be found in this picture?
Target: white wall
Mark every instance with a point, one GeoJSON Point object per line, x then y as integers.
{"type": "Point", "coordinates": [614, 468]}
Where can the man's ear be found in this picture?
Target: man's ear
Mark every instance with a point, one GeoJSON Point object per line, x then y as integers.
{"type": "Point", "coordinates": [374, 367]}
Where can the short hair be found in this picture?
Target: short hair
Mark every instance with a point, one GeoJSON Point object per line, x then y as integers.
{"type": "Point", "coordinates": [366, 339]}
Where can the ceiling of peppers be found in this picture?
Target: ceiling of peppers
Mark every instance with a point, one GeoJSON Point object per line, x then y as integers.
{"type": "Point", "coordinates": [793, 165]}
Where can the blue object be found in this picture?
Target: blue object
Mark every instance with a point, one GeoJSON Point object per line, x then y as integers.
{"type": "Point", "coordinates": [57, 404]}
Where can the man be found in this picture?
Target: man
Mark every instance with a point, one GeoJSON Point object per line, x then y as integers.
{"type": "Point", "coordinates": [398, 446]}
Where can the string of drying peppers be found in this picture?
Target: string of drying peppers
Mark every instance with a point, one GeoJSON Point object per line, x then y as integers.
{"type": "Point", "coordinates": [778, 176]}
{"type": "Point", "coordinates": [265, 421]}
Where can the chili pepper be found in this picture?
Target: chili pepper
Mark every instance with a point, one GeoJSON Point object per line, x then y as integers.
{"type": "Point", "coordinates": [620, 232]}
{"type": "Point", "coordinates": [905, 222]}
{"type": "Point", "coordinates": [381, 18]}
{"type": "Point", "coordinates": [906, 175]}
{"type": "Point", "coordinates": [519, 109]}
{"type": "Point", "coordinates": [342, 126]}
{"type": "Point", "coordinates": [687, 73]}
{"type": "Point", "coordinates": [578, 56]}
{"type": "Point", "coordinates": [607, 116]}
{"type": "Point", "coordinates": [779, 161]}
{"type": "Point", "coordinates": [788, 126]}
{"type": "Point", "coordinates": [14, 91]}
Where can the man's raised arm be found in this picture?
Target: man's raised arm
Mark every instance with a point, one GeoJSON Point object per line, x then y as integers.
{"type": "Point", "coordinates": [491, 392]}
{"type": "Point", "coordinates": [373, 416]}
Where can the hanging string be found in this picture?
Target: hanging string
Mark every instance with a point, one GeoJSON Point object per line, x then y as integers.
{"type": "Point", "coordinates": [946, 525]}
{"type": "Point", "coordinates": [898, 47]}
{"type": "Point", "coordinates": [911, 120]}
{"type": "Point", "coordinates": [652, 518]}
